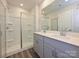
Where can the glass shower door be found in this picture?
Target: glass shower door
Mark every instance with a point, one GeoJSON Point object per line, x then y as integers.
{"type": "Point", "coordinates": [13, 35]}
{"type": "Point", "coordinates": [27, 31]}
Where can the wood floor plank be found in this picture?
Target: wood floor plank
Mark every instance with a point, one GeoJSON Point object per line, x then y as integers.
{"type": "Point", "coordinates": [25, 54]}
{"type": "Point", "coordinates": [22, 55]}
{"type": "Point", "coordinates": [30, 56]}
{"type": "Point", "coordinates": [11, 56]}
{"type": "Point", "coordinates": [18, 55]}
{"type": "Point", "coordinates": [33, 53]}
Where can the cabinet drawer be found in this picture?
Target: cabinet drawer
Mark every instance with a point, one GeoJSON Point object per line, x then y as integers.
{"type": "Point", "coordinates": [65, 47]}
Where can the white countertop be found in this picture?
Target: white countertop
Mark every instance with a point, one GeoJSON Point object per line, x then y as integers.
{"type": "Point", "coordinates": [71, 38]}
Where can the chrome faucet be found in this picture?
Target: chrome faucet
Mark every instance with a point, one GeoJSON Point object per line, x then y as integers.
{"type": "Point", "coordinates": [45, 28]}
{"type": "Point", "coordinates": [63, 32]}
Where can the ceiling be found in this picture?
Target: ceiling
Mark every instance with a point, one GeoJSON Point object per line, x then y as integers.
{"type": "Point", "coordinates": [28, 4]}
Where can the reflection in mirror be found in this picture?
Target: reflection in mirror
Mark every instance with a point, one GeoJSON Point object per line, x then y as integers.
{"type": "Point", "coordinates": [44, 23]}
{"type": "Point", "coordinates": [54, 24]}
{"type": "Point", "coordinates": [63, 15]}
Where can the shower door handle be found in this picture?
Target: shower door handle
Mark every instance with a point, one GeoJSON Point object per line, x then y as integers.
{"type": "Point", "coordinates": [0, 33]}
{"type": "Point", "coordinates": [7, 28]}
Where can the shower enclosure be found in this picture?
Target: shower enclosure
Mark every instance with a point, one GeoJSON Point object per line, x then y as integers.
{"type": "Point", "coordinates": [19, 33]}
{"type": "Point", "coordinates": [16, 33]}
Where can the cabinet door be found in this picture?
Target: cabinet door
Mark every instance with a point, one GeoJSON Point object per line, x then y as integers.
{"type": "Point", "coordinates": [38, 45]}
{"type": "Point", "coordinates": [49, 52]}
{"type": "Point", "coordinates": [35, 43]}
{"type": "Point", "coordinates": [60, 54]}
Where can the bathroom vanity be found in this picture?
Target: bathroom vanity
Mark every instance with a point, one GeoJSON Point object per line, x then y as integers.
{"type": "Point", "coordinates": [53, 45]}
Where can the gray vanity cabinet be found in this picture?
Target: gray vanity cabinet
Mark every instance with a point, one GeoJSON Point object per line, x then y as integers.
{"type": "Point", "coordinates": [51, 48]}
{"type": "Point", "coordinates": [38, 45]}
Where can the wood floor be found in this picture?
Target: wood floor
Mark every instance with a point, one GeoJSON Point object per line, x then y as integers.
{"type": "Point", "coordinates": [25, 54]}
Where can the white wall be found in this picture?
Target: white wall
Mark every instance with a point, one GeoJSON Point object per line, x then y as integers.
{"type": "Point", "coordinates": [16, 11]}
{"type": "Point", "coordinates": [3, 8]}
{"type": "Point", "coordinates": [37, 17]}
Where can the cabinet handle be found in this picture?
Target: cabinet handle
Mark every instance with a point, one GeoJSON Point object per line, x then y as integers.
{"type": "Point", "coordinates": [53, 53]}
{"type": "Point", "coordinates": [36, 41]}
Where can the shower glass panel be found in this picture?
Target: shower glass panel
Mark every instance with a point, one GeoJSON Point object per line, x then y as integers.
{"type": "Point", "coordinates": [12, 34]}
{"type": "Point", "coordinates": [2, 30]}
{"type": "Point", "coordinates": [27, 22]}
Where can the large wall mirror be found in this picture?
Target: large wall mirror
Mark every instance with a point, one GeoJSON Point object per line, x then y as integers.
{"type": "Point", "coordinates": [63, 15]}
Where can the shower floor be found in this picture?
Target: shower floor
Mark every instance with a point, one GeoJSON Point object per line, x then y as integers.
{"type": "Point", "coordinates": [30, 53]}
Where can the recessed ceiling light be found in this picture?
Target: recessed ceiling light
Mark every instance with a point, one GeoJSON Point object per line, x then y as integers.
{"type": "Point", "coordinates": [66, 0]}
{"type": "Point", "coordinates": [21, 5]}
